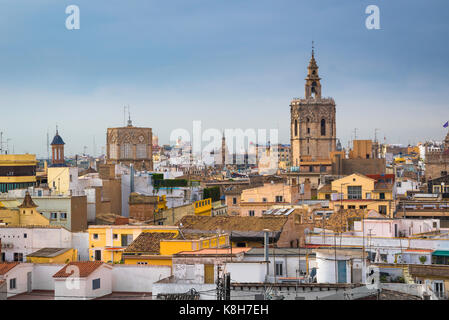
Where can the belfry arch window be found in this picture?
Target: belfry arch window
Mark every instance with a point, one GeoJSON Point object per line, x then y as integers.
{"type": "Point", "coordinates": [323, 127]}
{"type": "Point", "coordinates": [313, 87]}
{"type": "Point", "coordinates": [296, 127]}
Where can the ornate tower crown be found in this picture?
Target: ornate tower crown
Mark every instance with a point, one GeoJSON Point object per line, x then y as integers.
{"type": "Point", "coordinates": [313, 85]}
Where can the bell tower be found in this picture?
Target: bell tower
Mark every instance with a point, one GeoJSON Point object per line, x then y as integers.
{"type": "Point", "coordinates": [313, 121]}
{"type": "Point", "coordinates": [313, 85]}
{"type": "Point", "coordinates": [57, 150]}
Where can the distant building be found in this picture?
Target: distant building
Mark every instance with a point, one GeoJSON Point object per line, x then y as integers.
{"type": "Point", "coordinates": [437, 162]}
{"type": "Point", "coordinates": [130, 145]}
{"type": "Point", "coordinates": [17, 171]}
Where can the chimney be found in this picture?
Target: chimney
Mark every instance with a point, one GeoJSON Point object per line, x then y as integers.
{"type": "Point", "coordinates": [266, 252]}
{"type": "Point", "coordinates": [131, 179]}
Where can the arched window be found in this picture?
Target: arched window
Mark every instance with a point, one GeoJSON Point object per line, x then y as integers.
{"type": "Point", "coordinates": [296, 127]}
{"type": "Point", "coordinates": [323, 127]}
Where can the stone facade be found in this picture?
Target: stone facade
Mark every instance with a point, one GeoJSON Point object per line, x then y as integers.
{"type": "Point", "coordinates": [130, 145]}
{"type": "Point", "coordinates": [313, 121]}
{"type": "Point", "coordinates": [437, 162]}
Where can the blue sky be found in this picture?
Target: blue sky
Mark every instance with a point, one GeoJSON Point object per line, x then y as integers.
{"type": "Point", "coordinates": [231, 64]}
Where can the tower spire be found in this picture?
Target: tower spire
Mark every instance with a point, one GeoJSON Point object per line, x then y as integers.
{"type": "Point", "coordinates": [313, 85]}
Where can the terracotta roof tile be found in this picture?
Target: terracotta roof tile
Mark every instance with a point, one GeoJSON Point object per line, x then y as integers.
{"type": "Point", "coordinates": [85, 269]}
{"type": "Point", "coordinates": [149, 242]}
{"type": "Point", "coordinates": [6, 266]}
{"type": "Point", "coordinates": [236, 223]}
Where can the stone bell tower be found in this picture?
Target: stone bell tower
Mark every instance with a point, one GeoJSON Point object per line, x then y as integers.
{"type": "Point", "coordinates": [313, 121]}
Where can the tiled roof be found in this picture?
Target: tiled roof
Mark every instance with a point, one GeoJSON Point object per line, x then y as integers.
{"type": "Point", "coordinates": [325, 188]}
{"type": "Point", "coordinates": [213, 251]}
{"type": "Point", "coordinates": [149, 242]}
{"type": "Point", "coordinates": [237, 223]}
{"type": "Point", "coordinates": [28, 202]}
{"type": "Point", "coordinates": [85, 269]}
{"type": "Point", "coordinates": [6, 266]}
{"type": "Point", "coordinates": [57, 140]}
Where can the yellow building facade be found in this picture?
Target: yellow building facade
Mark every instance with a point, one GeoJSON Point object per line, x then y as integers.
{"type": "Point", "coordinates": [169, 247]}
{"type": "Point", "coordinates": [107, 242]}
{"type": "Point", "coordinates": [203, 207]}
{"type": "Point", "coordinates": [53, 255]}
{"type": "Point", "coordinates": [25, 214]}
{"type": "Point", "coordinates": [17, 171]}
{"type": "Point", "coordinates": [357, 191]}
{"type": "Point", "coordinates": [60, 179]}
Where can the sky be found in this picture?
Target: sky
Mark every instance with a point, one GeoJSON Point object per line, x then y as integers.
{"type": "Point", "coordinates": [229, 64]}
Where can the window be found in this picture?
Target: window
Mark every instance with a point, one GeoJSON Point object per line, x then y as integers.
{"type": "Point", "coordinates": [436, 189]}
{"type": "Point", "coordinates": [351, 207]}
{"type": "Point", "coordinates": [95, 236]}
{"type": "Point", "coordinates": [368, 195]}
{"type": "Point", "coordinates": [142, 262]}
{"type": "Point", "coordinates": [382, 196]}
{"type": "Point", "coordinates": [63, 215]}
{"type": "Point", "coordinates": [12, 283]}
{"type": "Point", "coordinates": [327, 196]}
{"type": "Point", "coordinates": [95, 284]}
{"type": "Point", "coordinates": [53, 215]}
{"type": "Point", "coordinates": [354, 192]}
{"type": "Point", "coordinates": [296, 127]}
{"type": "Point", "coordinates": [264, 199]}
{"type": "Point", "coordinates": [25, 235]}
{"type": "Point", "coordinates": [363, 207]}
{"type": "Point", "coordinates": [279, 268]}
{"type": "Point", "coordinates": [323, 127]}
{"type": "Point", "coordinates": [234, 200]}
{"type": "Point", "coordinates": [383, 209]}
{"type": "Point", "coordinates": [279, 199]}
{"type": "Point", "coordinates": [18, 256]}
{"type": "Point", "coordinates": [141, 151]}
{"type": "Point", "coordinates": [113, 154]}
{"type": "Point", "coordinates": [251, 213]}
{"type": "Point", "coordinates": [308, 130]}
{"type": "Point", "coordinates": [125, 151]}
{"type": "Point", "coordinates": [115, 236]}
{"type": "Point", "coordinates": [97, 255]}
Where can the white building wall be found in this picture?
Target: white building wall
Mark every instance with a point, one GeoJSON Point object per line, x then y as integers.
{"type": "Point", "coordinates": [36, 239]}
{"type": "Point", "coordinates": [129, 278]}
{"type": "Point", "coordinates": [80, 242]}
{"type": "Point", "coordinates": [65, 287]}
{"type": "Point", "coordinates": [19, 273]}
{"type": "Point", "coordinates": [43, 275]}
{"type": "Point", "coordinates": [246, 271]}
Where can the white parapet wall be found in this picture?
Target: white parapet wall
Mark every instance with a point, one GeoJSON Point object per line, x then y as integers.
{"type": "Point", "coordinates": [137, 278]}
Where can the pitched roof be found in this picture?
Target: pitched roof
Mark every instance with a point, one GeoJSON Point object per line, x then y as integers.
{"type": "Point", "coordinates": [85, 269]}
{"type": "Point", "coordinates": [27, 202]}
{"type": "Point", "coordinates": [48, 252]}
{"type": "Point", "coordinates": [57, 140]}
{"type": "Point", "coordinates": [149, 242]}
{"type": "Point", "coordinates": [5, 267]}
{"type": "Point", "coordinates": [230, 223]}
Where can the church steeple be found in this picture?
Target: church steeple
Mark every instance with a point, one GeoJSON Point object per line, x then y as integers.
{"type": "Point", "coordinates": [57, 148]}
{"type": "Point", "coordinates": [313, 85]}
